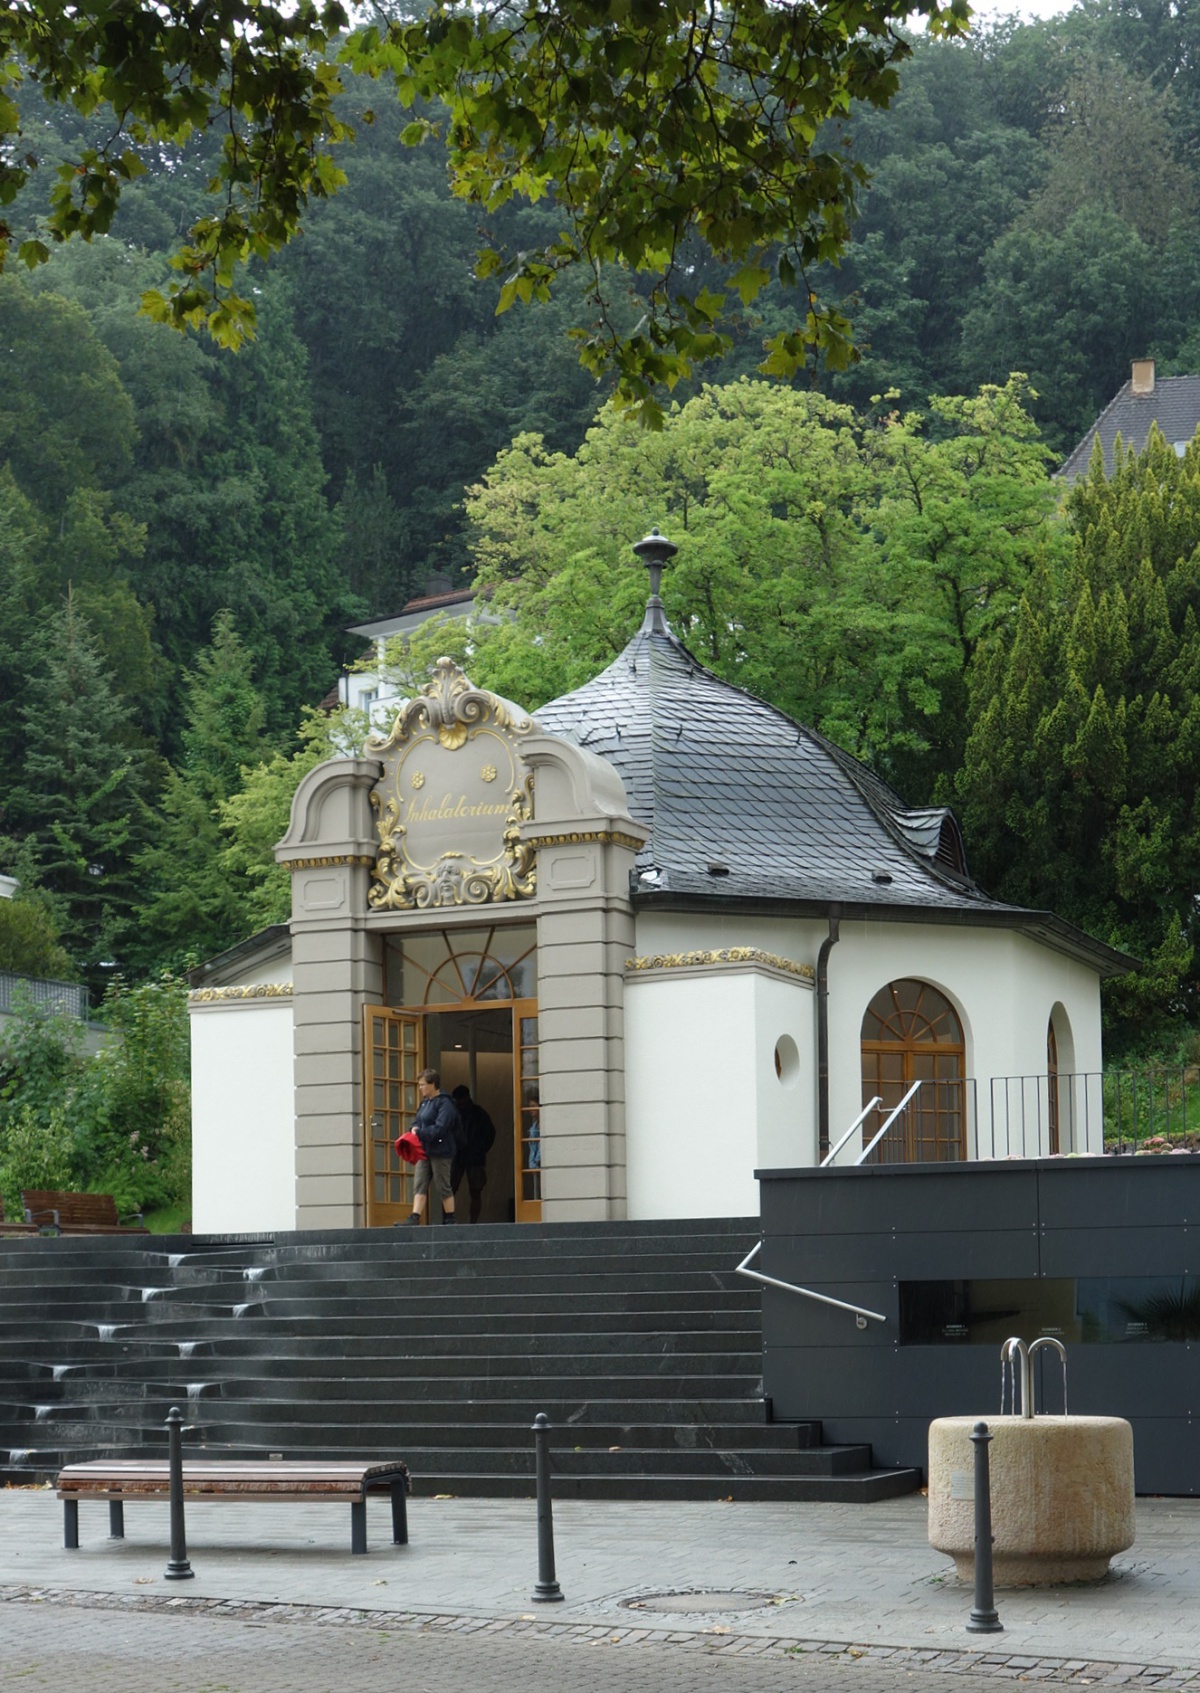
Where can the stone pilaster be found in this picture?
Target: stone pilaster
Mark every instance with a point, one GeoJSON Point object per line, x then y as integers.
{"type": "Point", "coordinates": [586, 846]}
{"type": "Point", "coordinates": [330, 849]}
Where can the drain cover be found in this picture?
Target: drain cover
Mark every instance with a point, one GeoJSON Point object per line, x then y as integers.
{"type": "Point", "coordinates": [679, 1603]}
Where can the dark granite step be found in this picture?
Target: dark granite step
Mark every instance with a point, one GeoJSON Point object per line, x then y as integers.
{"type": "Point", "coordinates": [638, 1340]}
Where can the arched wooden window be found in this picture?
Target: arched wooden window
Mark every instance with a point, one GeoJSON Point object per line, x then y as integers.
{"type": "Point", "coordinates": [1052, 1084]}
{"type": "Point", "coordinates": [911, 1033]}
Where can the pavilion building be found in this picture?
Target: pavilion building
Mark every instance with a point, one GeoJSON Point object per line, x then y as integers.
{"type": "Point", "coordinates": [666, 935]}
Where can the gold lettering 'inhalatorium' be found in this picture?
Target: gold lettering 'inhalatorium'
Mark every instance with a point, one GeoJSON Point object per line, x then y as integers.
{"type": "Point", "coordinates": [421, 811]}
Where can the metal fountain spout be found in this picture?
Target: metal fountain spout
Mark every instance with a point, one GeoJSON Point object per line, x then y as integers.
{"type": "Point", "coordinates": [1016, 1368]}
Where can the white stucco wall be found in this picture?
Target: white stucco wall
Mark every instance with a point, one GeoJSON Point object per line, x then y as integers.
{"type": "Point", "coordinates": [243, 1117]}
{"type": "Point", "coordinates": [1004, 985]}
{"type": "Point", "coordinates": [704, 1105]}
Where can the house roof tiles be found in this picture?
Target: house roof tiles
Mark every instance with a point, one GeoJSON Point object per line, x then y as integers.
{"type": "Point", "coordinates": [1173, 403]}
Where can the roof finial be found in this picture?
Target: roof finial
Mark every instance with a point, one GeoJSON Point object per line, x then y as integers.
{"type": "Point", "coordinates": [655, 552]}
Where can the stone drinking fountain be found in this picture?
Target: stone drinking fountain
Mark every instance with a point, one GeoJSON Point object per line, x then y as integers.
{"type": "Point", "coordinates": [1062, 1486]}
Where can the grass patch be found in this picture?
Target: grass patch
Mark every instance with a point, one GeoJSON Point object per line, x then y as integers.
{"type": "Point", "coordinates": [169, 1219]}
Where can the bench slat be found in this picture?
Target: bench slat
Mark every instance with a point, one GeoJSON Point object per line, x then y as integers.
{"type": "Point", "coordinates": [235, 1479]}
{"type": "Point", "coordinates": [227, 1469]}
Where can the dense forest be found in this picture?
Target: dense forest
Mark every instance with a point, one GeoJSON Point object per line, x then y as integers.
{"type": "Point", "coordinates": [185, 533]}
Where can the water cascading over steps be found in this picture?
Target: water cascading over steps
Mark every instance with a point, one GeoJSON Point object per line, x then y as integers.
{"type": "Point", "coordinates": [434, 1345]}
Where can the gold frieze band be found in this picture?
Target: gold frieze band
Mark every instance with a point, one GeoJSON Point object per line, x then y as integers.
{"type": "Point", "coordinates": [260, 990]}
{"type": "Point", "coordinates": [604, 837]}
{"type": "Point", "coordinates": [365, 859]}
{"type": "Point", "coordinates": [724, 955]}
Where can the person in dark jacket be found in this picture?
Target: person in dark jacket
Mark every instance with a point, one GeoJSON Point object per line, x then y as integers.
{"type": "Point", "coordinates": [438, 1127]}
{"type": "Point", "coordinates": [476, 1141]}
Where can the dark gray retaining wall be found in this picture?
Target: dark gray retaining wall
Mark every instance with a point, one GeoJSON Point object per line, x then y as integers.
{"type": "Point", "coordinates": [858, 1234]}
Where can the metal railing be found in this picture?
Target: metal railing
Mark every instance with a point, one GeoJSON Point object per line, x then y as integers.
{"type": "Point", "coordinates": [1115, 1111]}
{"type": "Point", "coordinates": [860, 1313]}
{"type": "Point", "coordinates": [70, 997]}
{"type": "Point", "coordinates": [831, 1155]}
{"type": "Point", "coordinates": [1150, 1105]}
{"type": "Point", "coordinates": [932, 1122]}
{"type": "Point", "coordinates": [1037, 1116]}
{"type": "Point", "coordinates": [895, 1114]}
{"type": "Point", "coordinates": [1043, 1116]}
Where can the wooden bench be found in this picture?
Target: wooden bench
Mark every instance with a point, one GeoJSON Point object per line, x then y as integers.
{"type": "Point", "coordinates": [128, 1480]}
{"type": "Point", "coordinates": [76, 1213]}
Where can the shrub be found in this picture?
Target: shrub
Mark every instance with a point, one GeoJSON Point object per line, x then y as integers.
{"type": "Point", "coordinates": [37, 1151]}
{"type": "Point", "coordinates": [134, 1103]}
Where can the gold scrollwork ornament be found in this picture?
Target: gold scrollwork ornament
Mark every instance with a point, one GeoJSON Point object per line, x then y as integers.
{"type": "Point", "coordinates": [454, 879]}
{"type": "Point", "coordinates": [451, 706]}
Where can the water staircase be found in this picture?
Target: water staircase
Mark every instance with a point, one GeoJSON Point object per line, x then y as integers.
{"type": "Point", "coordinates": [435, 1345]}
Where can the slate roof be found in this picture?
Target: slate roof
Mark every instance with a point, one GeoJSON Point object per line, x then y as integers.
{"type": "Point", "coordinates": [744, 805]}
{"type": "Point", "coordinates": [258, 949]}
{"type": "Point", "coordinates": [1173, 403]}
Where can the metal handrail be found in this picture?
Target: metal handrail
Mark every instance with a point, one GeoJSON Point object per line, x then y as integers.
{"type": "Point", "coordinates": [858, 1312]}
{"type": "Point", "coordinates": [888, 1121]}
{"type": "Point", "coordinates": [856, 1124]}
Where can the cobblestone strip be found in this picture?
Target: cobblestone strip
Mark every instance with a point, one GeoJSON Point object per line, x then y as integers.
{"type": "Point", "coordinates": [717, 1638]}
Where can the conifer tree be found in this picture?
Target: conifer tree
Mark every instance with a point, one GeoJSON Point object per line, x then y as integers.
{"type": "Point", "coordinates": [1079, 785]}
{"type": "Point", "coordinates": [78, 805]}
{"type": "Point", "coordinates": [195, 907]}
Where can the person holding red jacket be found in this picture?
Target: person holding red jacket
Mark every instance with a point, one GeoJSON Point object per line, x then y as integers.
{"type": "Point", "coordinates": [438, 1127]}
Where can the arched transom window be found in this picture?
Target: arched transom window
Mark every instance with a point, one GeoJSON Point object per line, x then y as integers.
{"type": "Point", "coordinates": [912, 1033]}
{"type": "Point", "coordinates": [456, 967]}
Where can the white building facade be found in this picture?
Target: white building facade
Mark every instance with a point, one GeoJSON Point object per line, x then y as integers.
{"type": "Point", "coordinates": [664, 935]}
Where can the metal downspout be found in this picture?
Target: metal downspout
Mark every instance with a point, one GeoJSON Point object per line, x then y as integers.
{"type": "Point", "coordinates": [827, 946]}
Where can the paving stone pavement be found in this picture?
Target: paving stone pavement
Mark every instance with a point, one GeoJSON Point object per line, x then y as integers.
{"type": "Point", "coordinates": [107, 1652]}
{"type": "Point", "coordinates": [813, 1594]}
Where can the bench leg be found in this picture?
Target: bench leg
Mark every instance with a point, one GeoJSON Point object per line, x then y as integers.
{"type": "Point", "coordinates": [358, 1526]}
{"type": "Point", "coordinates": [71, 1524]}
{"type": "Point", "coordinates": [399, 1515]}
{"type": "Point", "coordinates": [116, 1519]}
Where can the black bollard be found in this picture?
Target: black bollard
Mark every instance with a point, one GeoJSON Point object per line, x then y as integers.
{"type": "Point", "coordinates": [983, 1619]}
{"type": "Point", "coordinates": [178, 1568]}
{"type": "Point", "coordinates": [547, 1588]}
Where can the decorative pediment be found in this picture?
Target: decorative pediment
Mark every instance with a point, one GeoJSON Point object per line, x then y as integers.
{"type": "Point", "coordinates": [452, 798]}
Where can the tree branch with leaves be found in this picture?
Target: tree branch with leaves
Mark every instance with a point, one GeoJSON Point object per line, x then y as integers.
{"type": "Point", "coordinates": [666, 134]}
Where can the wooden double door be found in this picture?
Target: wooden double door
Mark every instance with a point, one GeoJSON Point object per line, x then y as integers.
{"type": "Point", "coordinates": [492, 1049]}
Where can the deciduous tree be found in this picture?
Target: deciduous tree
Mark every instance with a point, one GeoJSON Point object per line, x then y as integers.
{"type": "Point", "coordinates": [843, 568]}
{"type": "Point", "coordinates": [656, 127]}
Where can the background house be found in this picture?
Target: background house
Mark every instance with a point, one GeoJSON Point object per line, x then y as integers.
{"type": "Point", "coordinates": [368, 690]}
{"type": "Point", "coordinates": [1171, 402]}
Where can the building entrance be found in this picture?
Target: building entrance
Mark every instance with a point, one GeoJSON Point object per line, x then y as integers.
{"type": "Point", "coordinates": [476, 1024]}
